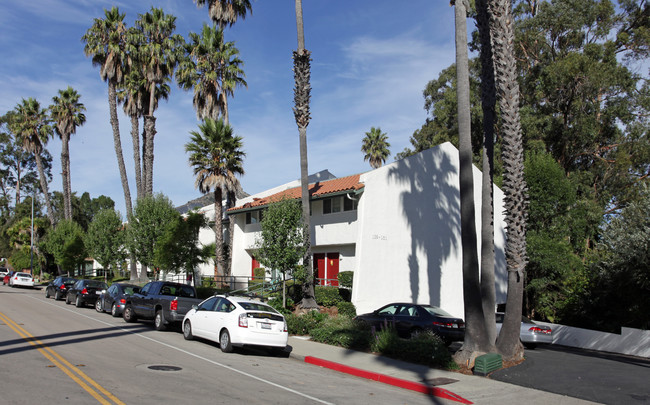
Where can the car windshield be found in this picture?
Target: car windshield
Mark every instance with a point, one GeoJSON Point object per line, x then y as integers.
{"type": "Point", "coordinates": [256, 306]}
{"type": "Point", "coordinates": [435, 311]}
{"type": "Point", "coordinates": [129, 290]}
{"type": "Point", "coordinates": [97, 284]}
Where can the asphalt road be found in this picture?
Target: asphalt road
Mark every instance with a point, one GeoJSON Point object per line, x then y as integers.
{"type": "Point", "coordinates": [594, 376]}
{"type": "Point", "coordinates": [51, 352]}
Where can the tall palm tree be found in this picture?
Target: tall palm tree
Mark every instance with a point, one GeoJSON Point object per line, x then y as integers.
{"type": "Point", "coordinates": [514, 184]}
{"type": "Point", "coordinates": [475, 336]}
{"type": "Point", "coordinates": [67, 113]}
{"type": "Point", "coordinates": [216, 157]}
{"type": "Point", "coordinates": [32, 129]}
{"type": "Point", "coordinates": [301, 96]}
{"type": "Point", "coordinates": [213, 69]}
{"type": "Point", "coordinates": [158, 55]}
{"type": "Point", "coordinates": [106, 44]}
{"type": "Point", "coordinates": [226, 12]}
{"type": "Point", "coordinates": [375, 147]}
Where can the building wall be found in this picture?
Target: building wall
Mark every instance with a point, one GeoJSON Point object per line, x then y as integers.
{"type": "Point", "coordinates": [408, 244]}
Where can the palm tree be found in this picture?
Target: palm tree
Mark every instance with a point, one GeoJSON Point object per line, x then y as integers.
{"type": "Point", "coordinates": [216, 157]}
{"type": "Point", "coordinates": [514, 184]}
{"type": "Point", "coordinates": [375, 147]}
{"type": "Point", "coordinates": [106, 44]}
{"type": "Point", "coordinates": [213, 69]}
{"type": "Point", "coordinates": [475, 336]}
{"type": "Point", "coordinates": [301, 96]}
{"type": "Point", "coordinates": [67, 113]}
{"type": "Point", "coordinates": [225, 12]}
{"type": "Point", "coordinates": [32, 130]}
{"type": "Point", "coordinates": [158, 56]}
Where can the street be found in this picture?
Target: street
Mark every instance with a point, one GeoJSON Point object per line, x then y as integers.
{"type": "Point", "coordinates": [51, 352]}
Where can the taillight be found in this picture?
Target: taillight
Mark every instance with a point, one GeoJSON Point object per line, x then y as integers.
{"type": "Point", "coordinates": [243, 321]}
{"type": "Point", "coordinates": [285, 327]}
{"type": "Point", "coordinates": [445, 324]}
{"type": "Point", "coordinates": [84, 291]}
{"type": "Point", "coordinates": [537, 329]}
{"type": "Point", "coordinates": [62, 286]}
{"type": "Point", "coordinates": [173, 305]}
{"type": "Point", "coordinates": [122, 301]}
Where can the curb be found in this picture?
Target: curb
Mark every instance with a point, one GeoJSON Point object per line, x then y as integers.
{"type": "Point", "coordinates": [385, 379]}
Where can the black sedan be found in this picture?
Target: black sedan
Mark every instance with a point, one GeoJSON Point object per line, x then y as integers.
{"type": "Point", "coordinates": [85, 292]}
{"type": "Point", "coordinates": [409, 319]}
{"type": "Point", "coordinates": [114, 298]}
{"type": "Point", "coordinates": [58, 288]}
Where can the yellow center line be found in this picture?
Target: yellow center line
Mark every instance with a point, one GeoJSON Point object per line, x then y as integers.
{"type": "Point", "coordinates": [62, 363]}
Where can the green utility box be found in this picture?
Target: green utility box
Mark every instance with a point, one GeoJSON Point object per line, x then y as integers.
{"type": "Point", "coordinates": [487, 363]}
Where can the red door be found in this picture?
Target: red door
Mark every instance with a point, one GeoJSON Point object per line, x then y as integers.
{"type": "Point", "coordinates": [255, 265]}
{"type": "Point", "coordinates": [319, 267]}
{"type": "Point", "coordinates": [333, 269]}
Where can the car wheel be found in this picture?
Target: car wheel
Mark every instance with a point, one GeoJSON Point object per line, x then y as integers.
{"type": "Point", "coordinates": [159, 321]}
{"type": "Point", "coordinates": [128, 315]}
{"type": "Point", "coordinates": [98, 306]}
{"type": "Point", "coordinates": [67, 299]}
{"type": "Point", "coordinates": [47, 293]}
{"type": "Point", "coordinates": [78, 303]}
{"type": "Point", "coordinates": [57, 296]}
{"type": "Point", "coordinates": [224, 341]}
{"type": "Point", "coordinates": [114, 310]}
{"type": "Point", "coordinates": [187, 331]}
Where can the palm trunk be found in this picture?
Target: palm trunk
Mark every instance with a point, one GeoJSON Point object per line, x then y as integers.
{"type": "Point", "coordinates": [112, 102]}
{"type": "Point", "coordinates": [218, 231]}
{"type": "Point", "coordinates": [46, 194]}
{"type": "Point", "coordinates": [150, 131]}
{"type": "Point", "coordinates": [475, 336]}
{"type": "Point", "coordinates": [65, 176]}
{"type": "Point", "coordinates": [514, 184]}
{"type": "Point", "coordinates": [135, 136]}
{"type": "Point", "coordinates": [488, 101]}
{"type": "Point", "coordinates": [302, 91]}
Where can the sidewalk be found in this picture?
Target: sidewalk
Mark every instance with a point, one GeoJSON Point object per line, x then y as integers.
{"type": "Point", "coordinates": [446, 386]}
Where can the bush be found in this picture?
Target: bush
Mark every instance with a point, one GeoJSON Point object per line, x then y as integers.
{"type": "Point", "coordinates": [345, 278]}
{"type": "Point", "coordinates": [304, 324]}
{"type": "Point", "coordinates": [327, 296]}
{"type": "Point", "coordinates": [344, 332]}
{"type": "Point", "coordinates": [346, 309]}
{"type": "Point", "coordinates": [424, 348]}
{"type": "Point", "coordinates": [276, 302]}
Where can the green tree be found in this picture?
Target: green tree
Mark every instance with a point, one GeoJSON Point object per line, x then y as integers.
{"type": "Point", "coordinates": [67, 114]}
{"type": "Point", "coordinates": [375, 147]}
{"type": "Point", "coordinates": [105, 42]}
{"type": "Point", "coordinates": [226, 12]}
{"type": "Point", "coordinates": [158, 55]}
{"type": "Point", "coordinates": [66, 244]}
{"type": "Point", "coordinates": [179, 249]}
{"type": "Point", "coordinates": [105, 239]}
{"type": "Point", "coordinates": [152, 218]}
{"type": "Point", "coordinates": [216, 157]}
{"type": "Point", "coordinates": [32, 129]}
{"type": "Point", "coordinates": [281, 245]}
{"type": "Point", "coordinates": [301, 96]}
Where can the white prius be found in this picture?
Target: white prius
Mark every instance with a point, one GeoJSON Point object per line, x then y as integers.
{"type": "Point", "coordinates": [236, 321]}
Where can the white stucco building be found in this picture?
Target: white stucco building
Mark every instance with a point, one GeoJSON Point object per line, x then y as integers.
{"type": "Point", "coordinates": [397, 228]}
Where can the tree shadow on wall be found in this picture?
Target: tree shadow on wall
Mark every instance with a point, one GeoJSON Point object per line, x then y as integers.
{"type": "Point", "coordinates": [431, 207]}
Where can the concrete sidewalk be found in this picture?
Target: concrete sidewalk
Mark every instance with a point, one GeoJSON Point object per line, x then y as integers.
{"type": "Point", "coordinates": [448, 387]}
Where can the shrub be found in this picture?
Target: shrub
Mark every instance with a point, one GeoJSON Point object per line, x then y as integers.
{"type": "Point", "coordinates": [345, 279]}
{"type": "Point", "coordinates": [424, 348]}
{"type": "Point", "coordinates": [327, 296]}
{"type": "Point", "coordinates": [344, 332]}
{"type": "Point", "coordinates": [346, 309]}
{"type": "Point", "coordinates": [276, 302]}
{"type": "Point", "coordinates": [304, 324]}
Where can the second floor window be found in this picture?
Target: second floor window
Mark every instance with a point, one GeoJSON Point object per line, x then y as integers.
{"type": "Point", "coordinates": [338, 204]}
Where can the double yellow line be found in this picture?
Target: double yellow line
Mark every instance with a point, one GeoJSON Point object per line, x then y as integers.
{"type": "Point", "coordinates": [69, 369]}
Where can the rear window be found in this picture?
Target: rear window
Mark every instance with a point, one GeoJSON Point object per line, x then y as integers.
{"type": "Point", "coordinates": [23, 274]}
{"type": "Point", "coordinates": [256, 306]}
{"type": "Point", "coordinates": [97, 284]}
{"type": "Point", "coordinates": [435, 311]}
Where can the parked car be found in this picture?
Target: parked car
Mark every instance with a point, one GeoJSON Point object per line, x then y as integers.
{"type": "Point", "coordinates": [21, 279]}
{"type": "Point", "coordinates": [530, 333]}
{"type": "Point", "coordinates": [58, 288]}
{"type": "Point", "coordinates": [85, 292]}
{"type": "Point", "coordinates": [409, 319]}
{"type": "Point", "coordinates": [3, 272]}
{"type": "Point", "coordinates": [7, 277]}
{"type": "Point", "coordinates": [163, 301]}
{"type": "Point", "coordinates": [114, 298]}
{"type": "Point", "coordinates": [236, 321]}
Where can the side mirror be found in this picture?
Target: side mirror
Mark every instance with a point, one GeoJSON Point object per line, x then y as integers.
{"type": "Point", "coordinates": [142, 293]}
{"type": "Point", "coordinates": [195, 307]}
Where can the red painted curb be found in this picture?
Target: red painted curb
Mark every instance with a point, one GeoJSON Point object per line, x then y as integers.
{"type": "Point", "coordinates": [398, 382]}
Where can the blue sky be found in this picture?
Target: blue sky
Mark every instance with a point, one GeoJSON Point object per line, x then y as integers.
{"type": "Point", "coordinates": [371, 61]}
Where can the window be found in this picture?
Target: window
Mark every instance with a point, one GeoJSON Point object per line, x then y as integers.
{"type": "Point", "coordinates": [338, 204]}
{"type": "Point", "coordinates": [208, 305]}
{"type": "Point", "coordinates": [254, 217]}
{"type": "Point", "coordinates": [349, 205]}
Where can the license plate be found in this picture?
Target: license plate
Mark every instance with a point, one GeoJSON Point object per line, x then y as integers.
{"type": "Point", "coordinates": [266, 325]}
{"type": "Point", "coordinates": [98, 292]}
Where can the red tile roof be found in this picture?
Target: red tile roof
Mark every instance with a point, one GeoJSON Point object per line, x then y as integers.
{"type": "Point", "coordinates": [318, 189]}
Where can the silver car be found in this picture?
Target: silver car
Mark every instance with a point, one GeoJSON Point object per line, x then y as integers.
{"type": "Point", "coordinates": [530, 333]}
